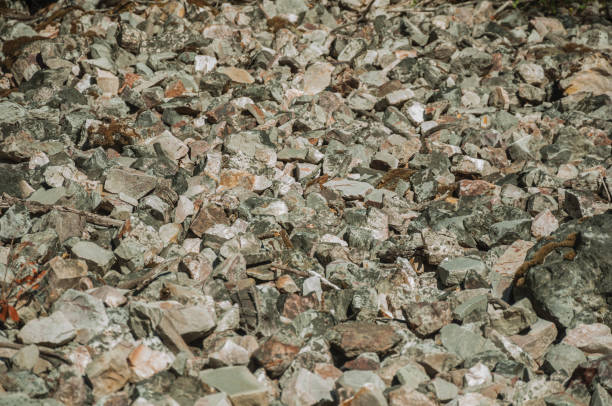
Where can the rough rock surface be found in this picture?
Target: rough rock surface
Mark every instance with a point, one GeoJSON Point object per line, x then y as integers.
{"type": "Point", "coordinates": [300, 202]}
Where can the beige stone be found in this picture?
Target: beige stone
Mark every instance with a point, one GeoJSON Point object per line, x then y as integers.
{"type": "Point", "coordinates": [108, 83]}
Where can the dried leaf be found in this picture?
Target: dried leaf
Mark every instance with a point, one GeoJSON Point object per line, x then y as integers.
{"type": "Point", "coordinates": [13, 314]}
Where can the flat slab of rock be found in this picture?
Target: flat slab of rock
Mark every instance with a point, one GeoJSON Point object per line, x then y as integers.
{"type": "Point", "coordinates": [593, 338]}
{"type": "Point", "coordinates": [317, 77]}
{"type": "Point", "coordinates": [463, 342]}
{"type": "Point", "coordinates": [306, 388]}
{"type": "Point", "coordinates": [349, 189]}
{"type": "Point", "coordinates": [131, 182]}
{"type": "Point", "coordinates": [238, 383]}
{"type": "Point", "coordinates": [354, 338]}
{"type": "Point", "coordinates": [52, 331]}
{"type": "Point", "coordinates": [95, 256]}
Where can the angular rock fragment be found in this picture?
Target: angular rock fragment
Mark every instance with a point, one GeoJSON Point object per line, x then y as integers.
{"type": "Point", "coordinates": [238, 383]}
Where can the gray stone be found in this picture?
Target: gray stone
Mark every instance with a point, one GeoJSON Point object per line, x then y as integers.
{"type": "Point", "coordinates": [349, 189]}
{"type": "Point", "coordinates": [85, 312]}
{"type": "Point", "coordinates": [462, 342]}
{"type": "Point", "coordinates": [26, 382]}
{"type": "Point", "coordinates": [306, 388]}
{"type": "Point", "coordinates": [238, 383]}
{"type": "Point", "coordinates": [193, 322]}
{"type": "Point", "coordinates": [357, 379]}
{"type": "Point", "coordinates": [52, 331]}
{"type": "Point", "coordinates": [570, 290]}
{"type": "Point", "coordinates": [443, 390]}
{"type": "Point", "coordinates": [411, 375]}
{"type": "Point", "coordinates": [48, 196]}
{"type": "Point", "coordinates": [133, 183]}
{"type": "Point", "coordinates": [216, 399]}
{"type": "Point", "coordinates": [563, 358]}
{"type": "Point", "coordinates": [97, 258]}
{"type": "Point", "coordinates": [26, 358]}
{"type": "Point", "coordinates": [15, 223]}
{"type": "Point", "coordinates": [453, 271]}
{"type": "Point", "coordinates": [472, 309]}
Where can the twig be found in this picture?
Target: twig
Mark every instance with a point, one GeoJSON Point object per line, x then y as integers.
{"type": "Point", "coordinates": [502, 8]}
{"type": "Point", "coordinates": [305, 274]}
{"type": "Point", "coordinates": [363, 17]}
{"type": "Point", "coordinates": [138, 284]}
{"type": "Point", "coordinates": [36, 208]}
{"type": "Point", "coordinates": [43, 351]}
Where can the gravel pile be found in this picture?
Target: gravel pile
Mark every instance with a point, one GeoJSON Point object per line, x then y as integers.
{"type": "Point", "coordinates": [300, 203]}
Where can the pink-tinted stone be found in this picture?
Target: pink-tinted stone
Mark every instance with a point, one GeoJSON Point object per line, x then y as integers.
{"type": "Point", "coordinates": [474, 187]}
{"type": "Point", "coordinates": [536, 342]}
{"type": "Point", "coordinates": [507, 265]}
{"type": "Point", "coordinates": [544, 224]}
{"type": "Point", "coordinates": [545, 25]}
{"type": "Point", "coordinates": [590, 338]}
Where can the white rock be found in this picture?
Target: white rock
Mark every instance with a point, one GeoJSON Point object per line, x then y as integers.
{"type": "Point", "coordinates": [204, 63]}
{"type": "Point", "coordinates": [312, 284]}
{"type": "Point", "coordinates": [479, 374]}
{"type": "Point", "coordinates": [305, 388]}
{"type": "Point", "coordinates": [184, 208]}
{"type": "Point", "coordinates": [416, 113]}
{"type": "Point", "coordinates": [38, 159]}
{"type": "Point", "coordinates": [145, 362]}
{"type": "Point", "coordinates": [332, 239]}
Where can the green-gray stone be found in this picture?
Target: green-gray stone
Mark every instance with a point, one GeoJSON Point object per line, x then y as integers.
{"type": "Point", "coordinates": [26, 357]}
{"type": "Point", "coordinates": [355, 379]}
{"type": "Point", "coordinates": [472, 309]}
{"type": "Point", "coordinates": [15, 223]}
{"type": "Point", "coordinates": [600, 396]}
{"type": "Point", "coordinates": [444, 390]}
{"type": "Point", "coordinates": [563, 358]}
{"type": "Point", "coordinates": [25, 381]}
{"type": "Point", "coordinates": [506, 232]}
{"type": "Point", "coordinates": [48, 196]}
{"type": "Point", "coordinates": [238, 383]}
{"type": "Point", "coordinates": [292, 154]}
{"type": "Point", "coordinates": [21, 399]}
{"type": "Point", "coordinates": [96, 256]}
{"type": "Point", "coordinates": [411, 375]}
{"type": "Point", "coordinates": [11, 112]}
{"type": "Point", "coordinates": [453, 271]}
{"type": "Point", "coordinates": [216, 399]}
{"type": "Point", "coordinates": [463, 342]}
